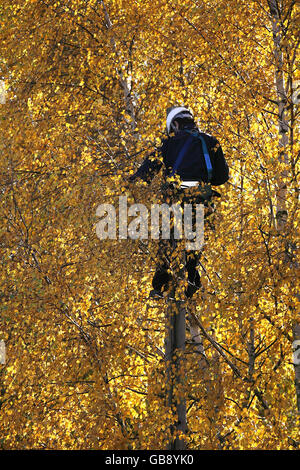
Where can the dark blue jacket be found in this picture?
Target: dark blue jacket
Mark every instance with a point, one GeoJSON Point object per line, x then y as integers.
{"type": "Point", "coordinates": [192, 167]}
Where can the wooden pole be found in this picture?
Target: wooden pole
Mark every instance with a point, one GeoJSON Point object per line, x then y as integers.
{"type": "Point", "coordinates": [175, 370]}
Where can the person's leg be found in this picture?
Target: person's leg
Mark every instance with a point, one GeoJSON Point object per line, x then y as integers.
{"type": "Point", "coordinates": [160, 281]}
{"type": "Point", "coordinates": [194, 282]}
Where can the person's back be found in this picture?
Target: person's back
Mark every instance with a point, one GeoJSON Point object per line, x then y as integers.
{"type": "Point", "coordinates": [193, 166]}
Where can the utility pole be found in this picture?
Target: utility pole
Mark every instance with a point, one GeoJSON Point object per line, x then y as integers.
{"type": "Point", "coordinates": [175, 340]}
{"type": "Point", "coordinates": [175, 370]}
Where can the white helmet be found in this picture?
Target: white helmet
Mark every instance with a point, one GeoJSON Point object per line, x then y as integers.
{"type": "Point", "coordinates": [179, 112]}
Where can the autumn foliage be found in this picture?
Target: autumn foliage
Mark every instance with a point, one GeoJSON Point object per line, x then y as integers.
{"type": "Point", "coordinates": [87, 84]}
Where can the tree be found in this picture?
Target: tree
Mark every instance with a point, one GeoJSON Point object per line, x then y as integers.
{"type": "Point", "coordinates": [88, 83]}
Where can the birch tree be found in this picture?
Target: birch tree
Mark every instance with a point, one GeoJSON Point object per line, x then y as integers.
{"type": "Point", "coordinates": [88, 84]}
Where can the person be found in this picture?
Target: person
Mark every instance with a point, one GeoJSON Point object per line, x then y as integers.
{"type": "Point", "coordinates": [197, 158]}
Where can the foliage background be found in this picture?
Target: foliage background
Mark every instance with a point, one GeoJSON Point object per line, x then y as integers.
{"type": "Point", "coordinates": [88, 83]}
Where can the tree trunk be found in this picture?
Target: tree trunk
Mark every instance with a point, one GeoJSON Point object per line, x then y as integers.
{"type": "Point", "coordinates": [283, 134]}
{"type": "Point", "coordinates": [296, 361]}
{"type": "Point", "coordinates": [283, 127]}
{"type": "Point", "coordinates": [130, 109]}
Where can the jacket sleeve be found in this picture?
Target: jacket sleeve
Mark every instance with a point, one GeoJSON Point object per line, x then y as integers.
{"type": "Point", "coordinates": [220, 167]}
{"type": "Point", "coordinates": [148, 169]}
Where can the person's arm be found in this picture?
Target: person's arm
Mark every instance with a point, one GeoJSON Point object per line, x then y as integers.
{"type": "Point", "coordinates": [148, 169]}
{"type": "Point", "coordinates": [220, 167]}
